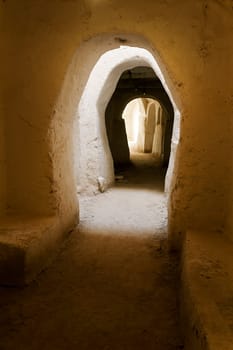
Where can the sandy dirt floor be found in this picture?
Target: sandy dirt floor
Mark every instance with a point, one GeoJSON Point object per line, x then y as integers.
{"type": "Point", "coordinates": [113, 285]}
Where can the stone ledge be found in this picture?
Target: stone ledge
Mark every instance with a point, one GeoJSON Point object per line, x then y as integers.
{"type": "Point", "coordinates": [207, 291]}
{"type": "Point", "coordinates": [26, 247]}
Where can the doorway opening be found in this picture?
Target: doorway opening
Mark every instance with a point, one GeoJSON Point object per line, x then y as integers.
{"type": "Point", "coordinates": [120, 75]}
{"type": "Point", "coordinates": [145, 123]}
{"type": "Point", "coordinates": [139, 122]}
{"type": "Point", "coordinates": [89, 86]}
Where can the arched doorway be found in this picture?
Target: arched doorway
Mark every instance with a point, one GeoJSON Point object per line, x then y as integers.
{"type": "Point", "coordinates": [145, 125]}
{"type": "Point", "coordinates": [97, 67]}
{"type": "Point", "coordinates": [142, 83]}
{"type": "Point", "coordinates": [76, 151]}
{"type": "Point", "coordinates": [94, 153]}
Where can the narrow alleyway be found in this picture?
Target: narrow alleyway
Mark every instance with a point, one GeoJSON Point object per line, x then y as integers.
{"type": "Point", "coordinates": [113, 285]}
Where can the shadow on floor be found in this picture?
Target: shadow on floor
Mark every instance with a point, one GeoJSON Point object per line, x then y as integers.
{"type": "Point", "coordinates": [143, 171]}
{"type": "Point", "coordinates": [113, 285]}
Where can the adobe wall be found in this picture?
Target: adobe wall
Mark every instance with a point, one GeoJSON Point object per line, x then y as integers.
{"type": "Point", "coordinates": [2, 131]}
{"type": "Point", "coordinates": [2, 167]}
{"type": "Point", "coordinates": [193, 46]}
{"type": "Point", "coordinates": [229, 155]}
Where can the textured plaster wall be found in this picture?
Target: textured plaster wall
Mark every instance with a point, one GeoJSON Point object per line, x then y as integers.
{"type": "Point", "coordinates": [158, 144]}
{"type": "Point", "coordinates": [130, 115]}
{"type": "Point", "coordinates": [2, 166]}
{"type": "Point", "coordinates": [2, 128]}
{"type": "Point", "coordinates": [229, 101]}
{"type": "Point", "coordinates": [193, 45]}
{"type": "Point", "coordinates": [141, 129]}
{"type": "Point", "coordinates": [150, 125]}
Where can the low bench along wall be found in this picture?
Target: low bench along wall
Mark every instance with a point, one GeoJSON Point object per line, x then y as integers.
{"type": "Point", "coordinates": [207, 291]}
{"type": "Point", "coordinates": [27, 246]}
